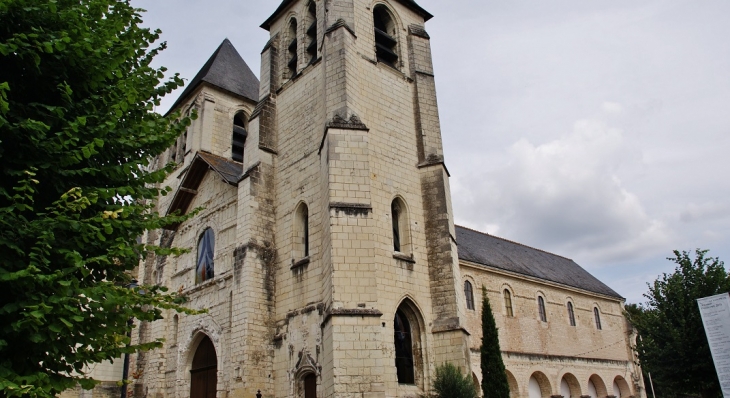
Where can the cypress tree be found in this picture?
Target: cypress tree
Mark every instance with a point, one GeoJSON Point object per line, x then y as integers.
{"type": "Point", "coordinates": [494, 376]}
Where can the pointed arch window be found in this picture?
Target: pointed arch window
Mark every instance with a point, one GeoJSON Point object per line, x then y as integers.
{"type": "Point", "coordinates": [206, 250]}
{"type": "Point", "coordinates": [597, 315]}
{"type": "Point", "coordinates": [469, 294]}
{"type": "Point", "coordinates": [386, 44]}
{"type": "Point", "coordinates": [541, 308]}
{"type": "Point", "coordinates": [238, 139]}
{"type": "Point", "coordinates": [291, 49]}
{"type": "Point", "coordinates": [401, 231]}
{"type": "Point", "coordinates": [508, 303]}
{"type": "Point", "coordinates": [571, 314]}
{"type": "Point", "coordinates": [312, 32]}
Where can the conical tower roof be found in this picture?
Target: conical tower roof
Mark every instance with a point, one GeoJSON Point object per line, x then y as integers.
{"type": "Point", "coordinates": [225, 69]}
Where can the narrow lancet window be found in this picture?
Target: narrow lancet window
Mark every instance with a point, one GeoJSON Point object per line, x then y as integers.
{"type": "Point", "coordinates": [508, 303]}
{"type": "Point", "coordinates": [571, 314]}
{"type": "Point", "coordinates": [598, 318]}
{"type": "Point", "coordinates": [541, 308]}
{"type": "Point", "coordinates": [386, 44]}
{"type": "Point", "coordinates": [301, 232]}
{"type": "Point", "coordinates": [401, 227]}
{"type": "Point", "coordinates": [395, 215]}
{"type": "Point", "coordinates": [305, 229]}
{"type": "Point", "coordinates": [238, 139]}
{"type": "Point", "coordinates": [469, 294]}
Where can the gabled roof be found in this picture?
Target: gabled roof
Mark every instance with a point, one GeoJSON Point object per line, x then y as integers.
{"type": "Point", "coordinates": [227, 169]}
{"type": "Point", "coordinates": [227, 70]}
{"type": "Point", "coordinates": [488, 250]}
{"type": "Point", "coordinates": [411, 4]}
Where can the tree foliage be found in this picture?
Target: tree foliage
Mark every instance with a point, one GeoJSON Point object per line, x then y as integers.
{"type": "Point", "coordinates": [450, 383]}
{"type": "Point", "coordinates": [77, 130]}
{"type": "Point", "coordinates": [494, 375]}
{"type": "Point", "coordinates": [672, 345]}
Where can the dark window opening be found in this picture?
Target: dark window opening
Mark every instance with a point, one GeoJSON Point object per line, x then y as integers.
{"type": "Point", "coordinates": [305, 229]}
{"type": "Point", "coordinates": [385, 42]}
{"type": "Point", "coordinates": [238, 140]}
{"type": "Point", "coordinates": [292, 49]}
{"type": "Point", "coordinates": [571, 314]}
{"type": "Point", "coordinates": [206, 250]}
{"type": "Point", "coordinates": [541, 308]}
{"type": "Point", "coordinates": [598, 318]}
{"type": "Point", "coordinates": [312, 33]}
{"type": "Point", "coordinates": [395, 215]}
{"type": "Point", "coordinates": [310, 386]}
{"type": "Point", "coordinates": [508, 303]}
{"type": "Point", "coordinates": [469, 294]}
{"type": "Point", "coordinates": [203, 372]}
{"type": "Point", "coordinates": [403, 349]}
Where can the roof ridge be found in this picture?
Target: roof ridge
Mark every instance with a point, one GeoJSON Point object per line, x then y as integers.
{"type": "Point", "coordinates": [511, 241]}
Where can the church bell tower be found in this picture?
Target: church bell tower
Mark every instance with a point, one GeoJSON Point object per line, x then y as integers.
{"type": "Point", "coordinates": [347, 201]}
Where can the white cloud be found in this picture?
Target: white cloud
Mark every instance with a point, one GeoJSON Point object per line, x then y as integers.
{"type": "Point", "coordinates": [565, 195]}
{"type": "Point", "coordinates": [612, 107]}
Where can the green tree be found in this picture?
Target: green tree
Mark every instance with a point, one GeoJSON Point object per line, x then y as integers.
{"type": "Point", "coordinates": [77, 130]}
{"type": "Point", "coordinates": [672, 345]}
{"type": "Point", "coordinates": [449, 383]}
{"type": "Point", "coordinates": [494, 375]}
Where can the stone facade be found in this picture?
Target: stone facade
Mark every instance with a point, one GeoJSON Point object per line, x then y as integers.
{"type": "Point", "coordinates": [555, 350]}
{"type": "Point", "coordinates": [336, 230]}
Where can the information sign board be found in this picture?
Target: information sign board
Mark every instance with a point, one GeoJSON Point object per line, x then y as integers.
{"type": "Point", "coordinates": [715, 312]}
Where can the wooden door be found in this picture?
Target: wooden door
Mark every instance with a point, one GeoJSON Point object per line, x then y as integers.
{"type": "Point", "coordinates": [204, 372]}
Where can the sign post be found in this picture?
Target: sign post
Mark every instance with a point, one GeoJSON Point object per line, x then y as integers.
{"type": "Point", "coordinates": [715, 312]}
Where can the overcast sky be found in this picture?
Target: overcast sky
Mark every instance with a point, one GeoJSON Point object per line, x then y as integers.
{"type": "Point", "coordinates": [597, 130]}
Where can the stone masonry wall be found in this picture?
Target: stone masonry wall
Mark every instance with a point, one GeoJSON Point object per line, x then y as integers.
{"type": "Point", "coordinates": [554, 348]}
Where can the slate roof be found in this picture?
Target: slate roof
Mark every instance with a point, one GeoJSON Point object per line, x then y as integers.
{"type": "Point", "coordinates": [227, 169]}
{"type": "Point", "coordinates": [227, 70]}
{"type": "Point", "coordinates": [485, 249]}
{"type": "Point", "coordinates": [286, 3]}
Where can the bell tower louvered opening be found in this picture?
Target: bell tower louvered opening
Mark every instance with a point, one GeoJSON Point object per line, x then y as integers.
{"type": "Point", "coordinates": [386, 44]}
{"type": "Point", "coordinates": [312, 32]}
{"type": "Point", "coordinates": [292, 49]}
{"type": "Point", "coordinates": [239, 137]}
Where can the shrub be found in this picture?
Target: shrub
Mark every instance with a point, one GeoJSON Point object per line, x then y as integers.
{"type": "Point", "coordinates": [449, 383]}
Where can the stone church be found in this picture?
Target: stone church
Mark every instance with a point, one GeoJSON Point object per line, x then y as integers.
{"type": "Point", "coordinates": [325, 250]}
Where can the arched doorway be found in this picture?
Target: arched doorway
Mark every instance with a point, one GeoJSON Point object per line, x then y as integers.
{"type": "Point", "coordinates": [404, 349]}
{"type": "Point", "coordinates": [203, 372]}
{"type": "Point", "coordinates": [407, 337]}
{"type": "Point", "coordinates": [310, 386]}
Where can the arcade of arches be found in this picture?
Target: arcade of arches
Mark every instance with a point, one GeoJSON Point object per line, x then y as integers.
{"type": "Point", "coordinates": [540, 386]}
